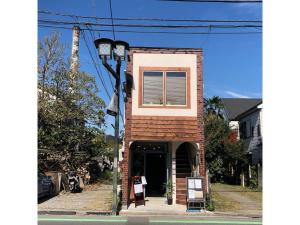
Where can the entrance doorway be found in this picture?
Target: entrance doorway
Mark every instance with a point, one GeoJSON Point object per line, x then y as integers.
{"type": "Point", "coordinates": [156, 172]}
{"type": "Point", "coordinates": [149, 159]}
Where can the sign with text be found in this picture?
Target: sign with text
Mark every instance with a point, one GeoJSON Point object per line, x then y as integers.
{"type": "Point", "coordinates": [195, 188]}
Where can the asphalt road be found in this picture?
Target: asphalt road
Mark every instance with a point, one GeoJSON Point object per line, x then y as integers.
{"type": "Point", "coordinates": [155, 220]}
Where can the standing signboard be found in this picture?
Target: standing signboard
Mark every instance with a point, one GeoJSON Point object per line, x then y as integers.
{"type": "Point", "coordinates": [195, 193]}
{"type": "Point", "coordinates": [137, 186]}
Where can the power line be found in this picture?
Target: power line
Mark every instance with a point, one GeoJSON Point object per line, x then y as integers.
{"type": "Point", "coordinates": [150, 19]}
{"type": "Point", "coordinates": [95, 65]}
{"type": "Point", "coordinates": [149, 25]}
{"type": "Point", "coordinates": [112, 20]}
{"type": "Point", "coordinates": [154, 32]}
{"type": "Point", "coordinates": [93, 37]}
{"type": "Point", "coordinates": [214, 1]}
{"type": "Point", "coordinates": [100, 76]}
{"type": "Point", "coordinates": [109, 76]}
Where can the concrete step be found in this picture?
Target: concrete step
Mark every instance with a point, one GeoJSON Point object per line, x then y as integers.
{"type": "Point", "coordinates": [181, 191]}
{"type": "Point", "coordinates": [181, 202]}
{"type": "Point", "coordinates": [182, 175]}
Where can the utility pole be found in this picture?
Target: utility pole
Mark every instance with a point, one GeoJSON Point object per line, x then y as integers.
{"type": "Point", "coordinates": [116, 149]}
{"type": "Point", "coordinates": [75, 52]}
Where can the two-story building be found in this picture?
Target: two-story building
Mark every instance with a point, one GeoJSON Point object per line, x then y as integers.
{"type": "Point", "coordinates": [164, 137]}
{"type": "Point", "coordinates": [250, 131]}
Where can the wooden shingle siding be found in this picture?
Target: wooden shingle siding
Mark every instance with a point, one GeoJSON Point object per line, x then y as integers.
{"type": "Point", "coordinates": [164, 128]}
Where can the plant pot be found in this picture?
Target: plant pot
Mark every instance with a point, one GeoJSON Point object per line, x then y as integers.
{"type": "Point", "coordinates": [170, 201]}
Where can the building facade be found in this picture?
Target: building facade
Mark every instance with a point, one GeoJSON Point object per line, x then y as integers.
{"type": "Point", "coordinates": [250, 131]}
{"type": "Point", "coordinates": [164, 137]}
{"type": "Point", "coordinates": [245, 116]}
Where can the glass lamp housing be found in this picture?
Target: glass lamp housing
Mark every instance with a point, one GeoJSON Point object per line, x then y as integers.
{"type": "Point", "coordinates": [104, 46]}
{"type": "Point", "coordinates": [120, 50]}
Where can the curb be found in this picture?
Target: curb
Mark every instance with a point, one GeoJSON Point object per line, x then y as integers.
{"type": "Point", "coordinates": [201, 214]}
{"type": "Point", "coordinates": [156, 213]}
{"type": "Point", "coordinates": [144, 213]}
{"type": "Point", "coordinates": [238, 215]}
{"type": "Point", "coordinates": [59, 213]}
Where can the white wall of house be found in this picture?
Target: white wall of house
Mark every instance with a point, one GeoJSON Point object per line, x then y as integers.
{"type": "Point", "coordinates": [164, 60]}
{"type": "Point", "coordinates": [252, 140]}
{"type": "Point", "coordinates": [261, 118]}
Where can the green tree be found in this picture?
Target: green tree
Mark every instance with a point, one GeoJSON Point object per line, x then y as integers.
{"type": "Point", "coordinates": [214, 105]}
{"type": "Point", "coordinates": [68, 104]}
{"type": "Point", "coordinates": [222, 154]}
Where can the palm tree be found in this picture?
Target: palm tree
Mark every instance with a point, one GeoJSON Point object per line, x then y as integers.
{"type": "Point", "coordinates": [214, 106]}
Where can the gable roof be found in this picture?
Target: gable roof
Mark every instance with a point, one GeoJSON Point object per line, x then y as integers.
{"type": "Point", "coordinates": [236, 106]}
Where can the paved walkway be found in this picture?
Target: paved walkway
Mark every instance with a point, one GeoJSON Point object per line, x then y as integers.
{"type": "Point", "coordinates": [90, 199]}
{"type": "Point", "coordinates": [159, 206]}
{"type": "Point", "coordinates": [238, 199]}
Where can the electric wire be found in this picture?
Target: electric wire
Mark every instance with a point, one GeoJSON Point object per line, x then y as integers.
{"type": "Point", "coordinates": [147, 25]}
{"type": "Point", "coordinates": [154, 32]}
{"type": "Point", "coordinates": [149, 19]}
{"type": "Point", "coordinates": [112, 20]}
{"type": "Point", "coordinates": [100, 76]}
{"type": "Point", "coordinates": [215, 1]}
{"type": "Point", "coordinates": [109, 76]}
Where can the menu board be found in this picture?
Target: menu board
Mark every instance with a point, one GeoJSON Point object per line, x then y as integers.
{"type": "Point", "coordinates": [138, 188]}
{"type": "Point", "coordinates": [195, 188]}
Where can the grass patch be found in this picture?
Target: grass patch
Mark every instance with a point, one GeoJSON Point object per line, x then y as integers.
{"type": "Point", "coordinates": [223, 203]}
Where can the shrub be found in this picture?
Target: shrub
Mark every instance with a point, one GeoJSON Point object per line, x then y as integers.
{"type": "Point", "coordinates": [210, 206]}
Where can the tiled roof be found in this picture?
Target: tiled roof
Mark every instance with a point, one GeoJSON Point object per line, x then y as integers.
{"type": "Point", "coordinates": [235, 106]}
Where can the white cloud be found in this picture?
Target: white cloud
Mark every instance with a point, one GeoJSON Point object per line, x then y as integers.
{"type": "Point", "coordinates": [249, 8]}
{"type": "Point", "coordinates": [236, 95]}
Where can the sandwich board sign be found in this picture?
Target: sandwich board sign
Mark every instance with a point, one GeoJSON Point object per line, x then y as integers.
{"type": "Point", "coordinates": [195, 192]}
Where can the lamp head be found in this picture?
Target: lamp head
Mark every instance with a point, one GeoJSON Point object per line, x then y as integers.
{"type": "Point", "coordinates": [105, 47]}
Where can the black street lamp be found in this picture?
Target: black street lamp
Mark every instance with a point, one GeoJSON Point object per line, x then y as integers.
{"type": "Point", "coordinates": [107, 48]}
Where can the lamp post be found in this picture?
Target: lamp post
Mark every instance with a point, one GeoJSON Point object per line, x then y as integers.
{"type": "Point", "coordinates": [117, 50]}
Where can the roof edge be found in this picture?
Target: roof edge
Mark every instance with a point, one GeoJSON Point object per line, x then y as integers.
{"type": "Point", "coordinates": [252, 109]}
{"type": "Point", "coordinates": [164, 48]}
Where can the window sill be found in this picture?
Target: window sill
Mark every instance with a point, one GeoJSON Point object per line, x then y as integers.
{"type": "Point", "coordinates": [165, 106]}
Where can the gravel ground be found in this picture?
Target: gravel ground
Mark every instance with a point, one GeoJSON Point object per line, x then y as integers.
{"type": "Point", "coordinates": [95, 197]}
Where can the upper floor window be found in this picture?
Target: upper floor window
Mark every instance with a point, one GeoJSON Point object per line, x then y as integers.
{"type": "Point", "coordinates": [153, 88]}
{"type": "Point", "coordinates": [176, 88]}
{"type": "Point", "coordinates": [164, 87]}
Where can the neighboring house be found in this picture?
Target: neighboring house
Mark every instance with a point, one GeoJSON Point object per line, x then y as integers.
{"type": "Point", "coordinates": [251, 133]}
{"type": "Point", "coordinates": [164, 136]}
{"type": "Point", "coordinates": [245, 116]}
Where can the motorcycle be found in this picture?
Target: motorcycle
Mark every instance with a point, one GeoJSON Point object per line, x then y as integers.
{"type": "Point", "coordinates": [73, 179]}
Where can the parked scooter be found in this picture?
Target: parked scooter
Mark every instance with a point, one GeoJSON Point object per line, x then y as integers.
{"type": "Point", "coordinates": [74, 182]}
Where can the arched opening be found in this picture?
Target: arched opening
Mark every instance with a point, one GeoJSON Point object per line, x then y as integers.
{"type": "Point", "coordinates": [185, 160]}
{"type": "Point", "coordinates": [185, 167]}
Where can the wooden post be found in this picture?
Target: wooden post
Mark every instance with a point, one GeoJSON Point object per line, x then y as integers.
{"type": "Point", "coordinates": [243, 179]}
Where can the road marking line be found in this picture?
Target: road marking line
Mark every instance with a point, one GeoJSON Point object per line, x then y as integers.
{"type": "Point", "coordinates": [205, 221]}
{"type": "Point", "coordinates": [81, 220]}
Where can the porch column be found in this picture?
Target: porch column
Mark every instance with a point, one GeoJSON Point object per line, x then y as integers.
{"type": "Point", "coordinates": [125, 176]}
{"type": "Point", "coordinates": [174, 171]}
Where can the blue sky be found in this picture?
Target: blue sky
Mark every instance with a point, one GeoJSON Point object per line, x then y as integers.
{"type": "Point", "coordinates": [232, 64]}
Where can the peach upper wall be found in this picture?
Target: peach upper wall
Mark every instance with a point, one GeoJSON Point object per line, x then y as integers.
{"type": "Point", "coordinates": [164, 60]}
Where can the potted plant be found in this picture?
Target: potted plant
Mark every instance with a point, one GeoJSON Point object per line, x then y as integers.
{"type": "Point", "coordinates": [169, 192]}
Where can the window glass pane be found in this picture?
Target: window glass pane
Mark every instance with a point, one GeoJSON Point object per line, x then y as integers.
{"type": "Point", "coordinates": [176, 88]}
{"type": "Point", "coordinates": [153, 88]}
